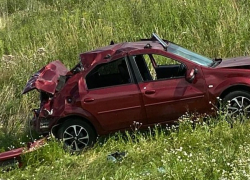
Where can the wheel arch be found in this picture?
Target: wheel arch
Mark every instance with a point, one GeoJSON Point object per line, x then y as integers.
{"type": "Point", "coordinates": [62, 120]}
{"type": "Point", "coordinates": [239, 87]}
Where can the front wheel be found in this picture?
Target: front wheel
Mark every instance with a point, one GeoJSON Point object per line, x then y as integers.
{"type": "Point", "coordinates": [76, 135]}
{"type": "Point", "coordinates": [239, 102]}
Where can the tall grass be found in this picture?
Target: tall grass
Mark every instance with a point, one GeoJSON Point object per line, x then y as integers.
{"type": "Point", "coordinates": [35, 32]}
{"type": "Point", "coordinates": [65, 29]}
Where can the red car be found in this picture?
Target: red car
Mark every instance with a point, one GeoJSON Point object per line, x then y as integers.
{"type": "Point", "coordinates": [149, 81]}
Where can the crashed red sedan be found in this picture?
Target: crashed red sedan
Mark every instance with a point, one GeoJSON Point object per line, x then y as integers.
{"type": "Point", "coordinates": [149, 81]}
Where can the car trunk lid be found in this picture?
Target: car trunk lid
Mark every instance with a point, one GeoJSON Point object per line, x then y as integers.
{"type": "Point", "coordinates": [50, 78]}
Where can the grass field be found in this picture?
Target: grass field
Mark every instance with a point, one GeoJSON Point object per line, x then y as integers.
{"type": "Point", "coordinates": [35, 32]}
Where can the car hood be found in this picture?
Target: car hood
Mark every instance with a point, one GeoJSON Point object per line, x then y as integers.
{"type": "Point", "coordinates": [234, 62]}
{"type": "Point", "coordinates": [48, 78]}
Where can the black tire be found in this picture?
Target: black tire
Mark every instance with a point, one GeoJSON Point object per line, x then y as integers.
{"type": "Point", "coordinates": [76, 135]}
{"type": "Point", "coordinates": [239, 102]}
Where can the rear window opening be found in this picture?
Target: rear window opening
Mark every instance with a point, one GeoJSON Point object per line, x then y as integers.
{"type": "Point", "coordinates": [109, 74]}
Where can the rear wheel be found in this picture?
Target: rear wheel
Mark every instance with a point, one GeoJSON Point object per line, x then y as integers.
{"type": "Point", "coordinates": [239, 102]}
{"type": "Point", "coordinates": [76, 135]}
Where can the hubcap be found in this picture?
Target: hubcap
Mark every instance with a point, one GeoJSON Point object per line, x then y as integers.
{"type": "Point", "coordinates": [75, 137]}
{"type": "Point", "coordinates": [239, 105]}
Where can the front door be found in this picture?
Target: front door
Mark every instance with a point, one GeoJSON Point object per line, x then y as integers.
{"type": "Point", "coordinates": [166, 93]}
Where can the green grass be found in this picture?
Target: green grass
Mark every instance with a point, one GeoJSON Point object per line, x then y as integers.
{"type": "Point", "coordinates": [214, 151]}
{"type": "Point", "coordinates": [63, 29]}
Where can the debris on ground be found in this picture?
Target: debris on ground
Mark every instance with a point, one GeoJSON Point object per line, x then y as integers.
{"type": "Point", "coordinates": [117, 156]}
{"type": "Point", "coordinates": [11, 159]}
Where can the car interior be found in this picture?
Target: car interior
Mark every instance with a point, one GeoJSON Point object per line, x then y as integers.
{"type": "Point", "coordinates": [108, 74]}
{"type": "Point", "coordinates": [161, 71]}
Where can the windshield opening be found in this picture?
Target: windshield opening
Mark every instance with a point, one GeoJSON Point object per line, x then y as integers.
{"type": "Point", "coordinates": [194, 57]}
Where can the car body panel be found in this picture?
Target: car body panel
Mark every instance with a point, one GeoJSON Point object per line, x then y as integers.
{"type": "Point", "coordinates": [172, 98]}
{"type": "Point", "coordinates": [235, 62]}
{"type": "Point", "coordinates": [101, 55]}
{"type": "Point", "coordinates": [46, 79]}
{"type": "Point", "coordinates": [218, 81]}
{"type": "Point", "coordinates": [115, 107]}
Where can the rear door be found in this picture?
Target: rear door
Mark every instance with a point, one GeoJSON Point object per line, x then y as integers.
{"type": "Point", "coordinates": [166, 93]}
{"type": "Point", "coordinates": [113, 97]}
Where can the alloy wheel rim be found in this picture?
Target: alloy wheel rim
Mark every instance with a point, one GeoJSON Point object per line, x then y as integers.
{"type": "Point", "coordinates": [75, 137]}
{"type": "Point", "coordinates": [239, 105]}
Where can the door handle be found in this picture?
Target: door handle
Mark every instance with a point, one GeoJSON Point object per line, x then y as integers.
{"type": "Point", "coordinates": [89, 100]}
{"type": "Point", "coordinates": [150, 91]}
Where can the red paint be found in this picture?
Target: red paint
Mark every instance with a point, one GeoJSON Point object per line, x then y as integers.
{"type": "Point", "coordinates": [46, 79]}
{"type": "Point", "coordinates": [15, 154]}
{"type": "Point", "coordinates": [235, 62]}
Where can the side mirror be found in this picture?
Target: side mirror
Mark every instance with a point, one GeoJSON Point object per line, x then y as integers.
{"type": "Point", "coordinates": [191, 74]}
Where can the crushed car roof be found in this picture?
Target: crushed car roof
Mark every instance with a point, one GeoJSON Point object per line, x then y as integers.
{"type": "Point", "coordinates": [106, 53]}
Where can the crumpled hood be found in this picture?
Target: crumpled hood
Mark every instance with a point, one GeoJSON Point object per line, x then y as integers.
{"type": "Point", "coordinates": [47, 78]}
{"type": "Point", "coordinates": [234, 62]}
